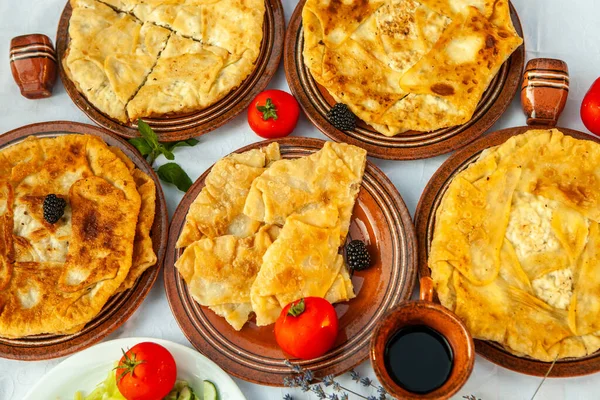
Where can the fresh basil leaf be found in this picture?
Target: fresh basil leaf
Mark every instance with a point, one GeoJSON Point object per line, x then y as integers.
{"type": "Point", "coordinates": [183, 143]}
{"type": "Point", "coordinates": [166, 152]}
{"type": "Point", "coordinates": [173, 173]}
{"type": "Point", "coordinates": [148, 134]}
{"type": "Point", "coordinates": [141, 145]}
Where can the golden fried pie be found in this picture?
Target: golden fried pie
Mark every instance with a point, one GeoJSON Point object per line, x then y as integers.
{"type": "Point", "coordinates": [56, 277]}
{"type": "Point", "coordinates": [217, 210]}
{"type": "Point", "coordinates": [266, 231]}
{"type": "Point", "coordinates": [407, 65]}
{"type": "Point", "coordinates": [141, 58]}
{"type": "Point", "coordinates": [516, 244]}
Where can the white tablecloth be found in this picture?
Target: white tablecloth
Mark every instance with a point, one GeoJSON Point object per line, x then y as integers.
{"type": "Point", "coordinates": [553, 28]}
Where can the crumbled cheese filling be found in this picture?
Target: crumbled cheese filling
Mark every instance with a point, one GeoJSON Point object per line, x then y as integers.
{"type": "Point", "coordinates": [555, 288]}
{"type": "Point", "coordinates": [529, 226]}
{"type": "Point", "coordinates": [530, 232]}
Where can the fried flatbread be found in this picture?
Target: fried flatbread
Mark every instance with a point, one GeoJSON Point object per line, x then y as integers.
{"type": "Point", "coordinates": [143, 252]}
{"type": "Point", "coordinates": [237, 254]}
{"type": "Point", "coordinates": [144, 256]}
{"type": "Point", "coordinates": [404, 65]}
{"type": "Point", "coordinates": [220, 271]}
{"type": "Point", "coordinates": [515, 245]}
{"type": "Point", "coordinates": [182, 79]}
{"type": "Point", "coordinates": [115, 45]}
{"type": "Point", "coordinates": [217, 210]}
{"type": "Point", "coordinates": [331, 176]}
{"type": "Point", "coordinates": [110, 55]}
{"type": "Point", "coordinates": [463, 62]}
{"type": "Point", "coordinates": [453, 8]}
{"type": "Point", "coordinates": [302, 262]}
{"type": "Point", "coordinates": [61, 275]}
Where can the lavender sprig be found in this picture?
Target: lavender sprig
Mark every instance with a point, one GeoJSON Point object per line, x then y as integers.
{"type": "Point", "coordinates": [294, 367]}
{"type": "Point", "coordinates": [318, 390]}
{"type": "Point", "coordinates": [305, 378]}
{"type": "Point", "coordinates": [366, 382]}
{"type": "Point", "coordinates": [328, 380]}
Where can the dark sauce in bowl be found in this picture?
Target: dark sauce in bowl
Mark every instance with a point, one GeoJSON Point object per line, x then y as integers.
{"type": "Point", "coordinates": [418, 359]}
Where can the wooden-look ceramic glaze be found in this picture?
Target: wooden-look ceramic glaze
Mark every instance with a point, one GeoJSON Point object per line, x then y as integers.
{"type": "Point", "coordinates": [425, 220]}
{"type": "Point", "coordinates": [425, 312]}
{"type": "Point", "coordinates": [380, 218]}
{"type": "Point", "coordinates": [33, 65]}
{"type": "Point", "coordinates": [119, 307]}
{"type": "Point", "coordinates": [184, 126]}
{"type": "Point", "coordinates": [316, 102]}
{"type": "Point", "coordinates": [544, 91]}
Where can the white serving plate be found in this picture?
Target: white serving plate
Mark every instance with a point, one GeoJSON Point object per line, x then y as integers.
{"type": "Point", "coordinates": [86, 369]}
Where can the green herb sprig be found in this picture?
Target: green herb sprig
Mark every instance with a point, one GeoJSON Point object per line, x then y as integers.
{"type": "Point", "coordinates": [149, 147]}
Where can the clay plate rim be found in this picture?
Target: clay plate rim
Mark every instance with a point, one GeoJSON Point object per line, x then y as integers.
{"type": "Point", "coordinates": [184, 126]}
{"type": "Point", "coordinates": [424, 219]}
{"type": "Point", "coordinates": [230, 359]}
{"type": "Point", "coordinates": [119, 308]}
{"type": "Point", "coordinates": [409, 145]}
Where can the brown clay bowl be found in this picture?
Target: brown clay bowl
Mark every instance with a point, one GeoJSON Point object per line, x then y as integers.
{"type": "Point", "coordinates": [424, 312]}
{"type": "Point", "coordinates": [316, 102]}
{"type": "Point", "coordinates": [425, 222]}
{"type": "Point", "coordinates": [118, 308]}
{"type": "Point", "coordinates": [380, 219]}
{"type": "Point", "coordinates": [184, 126]}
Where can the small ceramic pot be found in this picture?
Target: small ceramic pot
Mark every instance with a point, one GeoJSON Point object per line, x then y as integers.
{"type": "Point", "coordinates": [33, 65]}
{"type": "Point", "coordinates": [544, 91]}
{"type": "Point", "coordinates": [424, 312]}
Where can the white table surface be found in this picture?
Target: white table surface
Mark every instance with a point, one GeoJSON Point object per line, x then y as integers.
{"type": "Point", "coordinates": [553, 28]}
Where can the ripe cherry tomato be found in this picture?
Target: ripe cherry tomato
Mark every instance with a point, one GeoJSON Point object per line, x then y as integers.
{"type": "Point", "coordinates": [307, 328]}
{"type": "Point", "coordinates": [590, 108]}
{"type": "Point", "coordinates": [273, 114]}
{"type": "Point", "coordinates": [146, 372]}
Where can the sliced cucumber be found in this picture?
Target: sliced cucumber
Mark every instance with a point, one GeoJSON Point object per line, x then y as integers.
{"type": "Point", "coordinates": [179, 385]}
{"type": "Point", "coordinates": [172, 395]}
{"type": "Point", "coordinates": [186, 394]}
{"type": "Point", "coordinates": [210, 391]}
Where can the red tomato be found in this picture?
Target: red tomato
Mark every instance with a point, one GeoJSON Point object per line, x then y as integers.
{"type": "Point", "coordinates": [307, 328]}
{"type": "Point", "coordinates": [273, 114]}
{"type": "Point", "coordinates": [146, 372]}
{"type": "Point", "coordinates": [590, 108]}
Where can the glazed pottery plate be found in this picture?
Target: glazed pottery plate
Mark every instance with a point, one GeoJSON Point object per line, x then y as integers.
{"type": "Point", "coordinates": [184, 126]}
{"type": "Point", "coordinates": [316, 101]}
{"type": "Point", "coordinates": [380, 218]}
{"type": "Point", "coordinates": [84, 370]}
{"type": "Point", "coordinates": [425, 220]}
{"type": "Point", "coordinates": [119, 307]}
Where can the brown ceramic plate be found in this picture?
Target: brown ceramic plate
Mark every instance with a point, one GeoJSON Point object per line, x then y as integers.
{"type": "Point", "coordinates": [184, 126]}
{"type": "Point", "coordinates": [425, 219]}
{"type": "Point", "coordinates": [380, 218]}
{"type": "Point", "coordinates": [316, 101]}
{"type": "Point", "coordinates": [118, 308]}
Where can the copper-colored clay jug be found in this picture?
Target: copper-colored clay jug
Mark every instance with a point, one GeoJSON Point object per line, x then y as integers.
{"type": "Point", "coordinates": [33, 65]}
{"type": "Point", "coordinates": [544, 91]}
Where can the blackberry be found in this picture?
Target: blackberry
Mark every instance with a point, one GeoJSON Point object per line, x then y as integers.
{"type": "Point", "coordinates": [357, 255]}
{"type": "Point", "coordinates": [54, 208]}
{"type": "Point", "coordinates": [341, 117]}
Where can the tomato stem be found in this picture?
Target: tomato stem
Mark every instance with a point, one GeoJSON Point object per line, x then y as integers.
{"type": "Point", "coordinates": [268, 110]}
{"type": "Point", "coordinates": [128, 365]}
{"type": "Point", "coordinates": [297, 309]}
